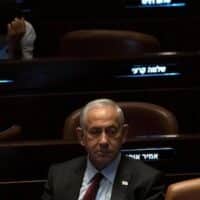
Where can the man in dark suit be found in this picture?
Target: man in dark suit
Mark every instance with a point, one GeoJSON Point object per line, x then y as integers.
{"type": "Point", "coordinates": [102, 132]}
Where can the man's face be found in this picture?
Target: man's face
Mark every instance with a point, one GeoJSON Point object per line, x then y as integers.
{"type": "Point", "coordinates": [102, 135]}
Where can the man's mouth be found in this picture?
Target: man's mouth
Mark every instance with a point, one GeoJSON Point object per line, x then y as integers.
{"type": "Point", "coordinates": [104, 153]}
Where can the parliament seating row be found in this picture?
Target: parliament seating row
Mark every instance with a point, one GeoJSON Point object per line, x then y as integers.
{"type": "Point", "coordinates": [24, 170]}
{"type": "Point", "coordinates": [25, 160]}
{"type": "Point", "coordinates": [42, 116]}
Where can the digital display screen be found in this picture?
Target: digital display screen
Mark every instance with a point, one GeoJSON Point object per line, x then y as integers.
{"type": "Point", "coordinates": [6, 81]}
{"type": "Point", "coordinates": [150, 154]}
{"type": "Point", "coordinates": [150, 70]}
{"type": "Point", "coordinates": [155, 3]}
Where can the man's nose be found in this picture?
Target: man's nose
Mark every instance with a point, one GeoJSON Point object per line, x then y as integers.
{"type": "Point", "coordinates": [103, 138]}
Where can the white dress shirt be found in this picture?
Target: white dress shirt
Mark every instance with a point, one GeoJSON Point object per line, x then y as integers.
{"type": "Point", "coordinates": [106, 184]}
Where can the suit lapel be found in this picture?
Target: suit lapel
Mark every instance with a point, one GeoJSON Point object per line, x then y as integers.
{"type": "Point", "coordinates": [122, 179]}
{"type": "Point", "coordinates": [74, 183]}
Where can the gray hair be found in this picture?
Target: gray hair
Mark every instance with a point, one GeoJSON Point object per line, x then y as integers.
{"type": "Point", "coordinates": [100, 103]}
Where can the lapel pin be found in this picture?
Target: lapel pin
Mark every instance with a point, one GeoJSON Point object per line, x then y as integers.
{"type": "Point", "coordinates": [125, 183]}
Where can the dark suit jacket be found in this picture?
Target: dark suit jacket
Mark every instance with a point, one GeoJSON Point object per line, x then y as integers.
{"type": "Point", "coordinates": [144, 182]}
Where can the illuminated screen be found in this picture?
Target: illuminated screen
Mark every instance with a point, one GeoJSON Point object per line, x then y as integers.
{"type": "Point", "coordinates": [155, 3]}
{"type": "Point", "coordinates": [150, 154]}
{"type": "Point", "coordinates": [151, 70]}
{"type": "Point", "coordinates": [159, 8]}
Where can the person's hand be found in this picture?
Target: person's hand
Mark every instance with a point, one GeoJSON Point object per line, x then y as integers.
{"type": "Point", "coordinates": [16, 29]}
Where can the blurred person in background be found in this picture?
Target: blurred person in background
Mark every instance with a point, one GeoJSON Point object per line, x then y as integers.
{"type": "Point", "coordinates": [17, 35]}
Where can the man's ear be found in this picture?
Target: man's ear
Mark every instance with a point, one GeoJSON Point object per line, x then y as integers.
{"type": "Point", "coordinates": [80, 135]}
{"type": "Point", "coordinates": [124, 132]}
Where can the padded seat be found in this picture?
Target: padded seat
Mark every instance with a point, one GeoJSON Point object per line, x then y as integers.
{"type": "Point", "coordinates": [144, 119]}
{"type": "Point", "coordinates": [184, 190]}
{"type": "Point", "coordinates": [100, 43]}
{"type": "Point", "coordinates": [11, 133]}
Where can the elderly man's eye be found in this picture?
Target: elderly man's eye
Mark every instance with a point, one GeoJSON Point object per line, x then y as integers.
{"type": "Point", "coordinates": [95, 131]}
{"type": "Point", "coordinates": [112, 130]}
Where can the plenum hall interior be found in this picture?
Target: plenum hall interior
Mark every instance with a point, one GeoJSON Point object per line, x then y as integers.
{"type": "Point", "coordinates": [41, 96]}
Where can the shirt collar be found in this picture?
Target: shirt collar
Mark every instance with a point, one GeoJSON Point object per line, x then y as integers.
{"type": "Point", "coordinates": [109, 172]}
